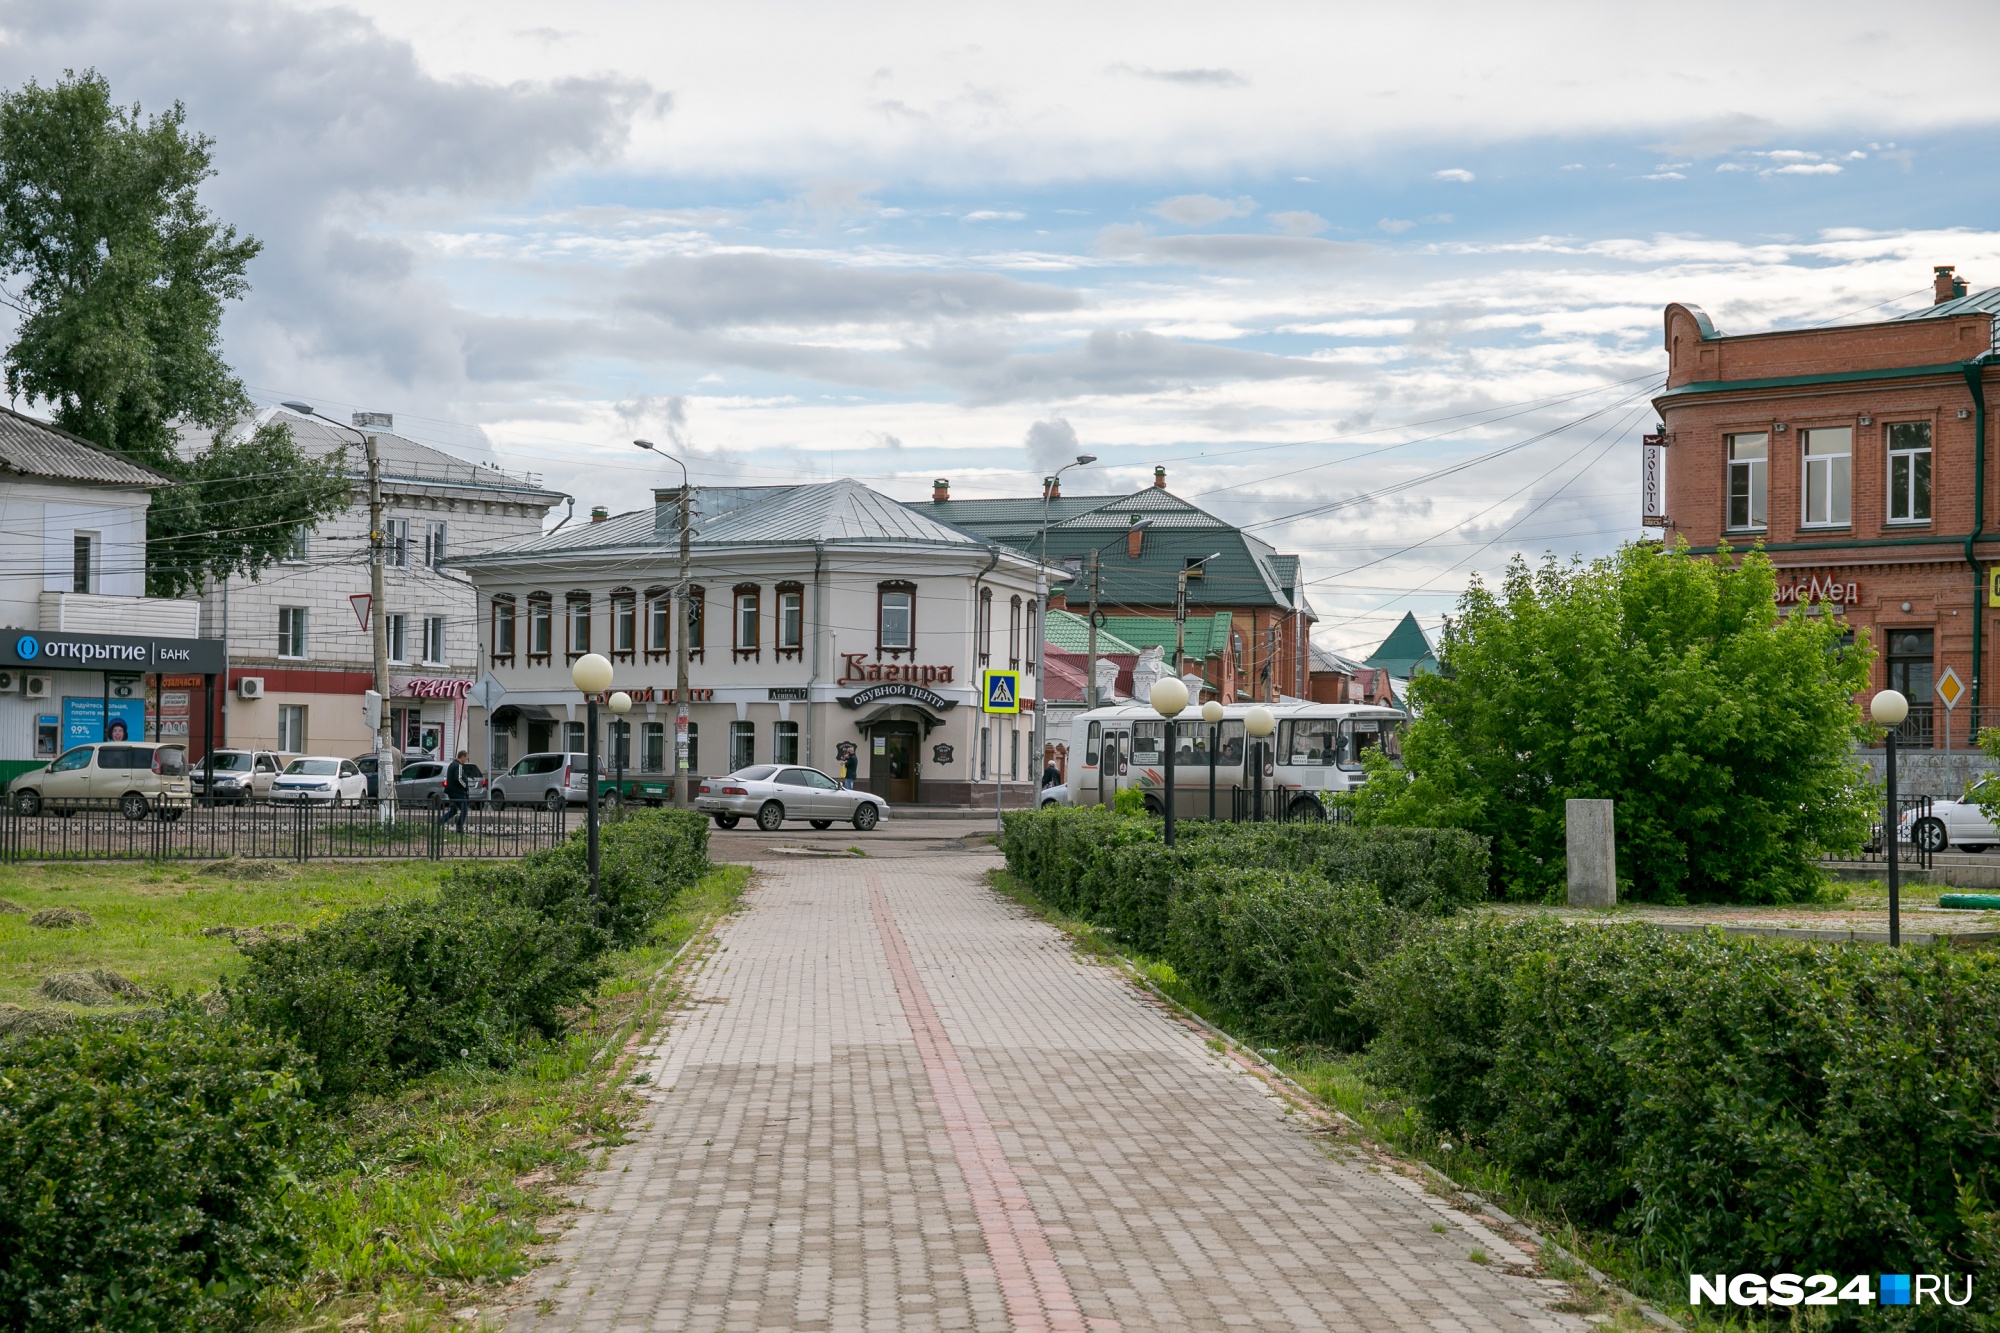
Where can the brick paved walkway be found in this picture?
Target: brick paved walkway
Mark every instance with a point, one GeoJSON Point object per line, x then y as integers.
{"type": "Point", "coordinates": [898, 1102]}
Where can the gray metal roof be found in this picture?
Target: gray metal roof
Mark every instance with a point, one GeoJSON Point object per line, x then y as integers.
{"type": "Point", "coordinates": [36, 449]}
{"type": "Point", "coordinates": [403, 459]}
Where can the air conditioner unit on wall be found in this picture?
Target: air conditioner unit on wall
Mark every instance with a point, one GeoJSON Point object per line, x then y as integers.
{"type": "Point", "coordinates": [251, 687]}
{"type": "Point", "coordinates": [10, 680]}
{"type": "Point", "coordinates": [37, 687]}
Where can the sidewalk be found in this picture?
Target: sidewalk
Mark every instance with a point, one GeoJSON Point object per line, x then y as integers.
{"type": "Point", "coordinates": [895, 1101]}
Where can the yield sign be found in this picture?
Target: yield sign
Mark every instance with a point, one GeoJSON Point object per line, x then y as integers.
{"type": "Point", "coordinates": [361, 601]}
{"type": "Point", "coordinates": [1950, 689]}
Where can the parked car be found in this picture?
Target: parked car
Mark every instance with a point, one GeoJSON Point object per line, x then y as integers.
{"type": "Point", "coordinates": [549, 780]}
{"type": "Point", "coordinates": [774, 793]}
{"type": "Point", "coordinates": [319, 779]}
{"type": "Point", "coordinates": [133, 778]}
{"type": "Point", "coordinates": [241, 776]}
{"type": "Point", "coordinates": [366, 763]}
{"type": "Point", "coordinates": [1961, 824]}
{"type": "Point", "coordinates": [1056, 795]}
{"type": "Point", "coordinates": [423, 783]}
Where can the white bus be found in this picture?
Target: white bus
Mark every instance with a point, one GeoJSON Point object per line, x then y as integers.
{"type": "Point", "coordinates": [1316, 749]}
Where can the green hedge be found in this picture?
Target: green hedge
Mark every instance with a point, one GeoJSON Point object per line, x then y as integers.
{"type": "Point", "coordinates": [142, 1172]}
{"type": "Point", "coordinates": [1735, 1104]}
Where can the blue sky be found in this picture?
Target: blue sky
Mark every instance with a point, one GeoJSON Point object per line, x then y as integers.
{"type": "Point", "coordinates": [1311, 258]}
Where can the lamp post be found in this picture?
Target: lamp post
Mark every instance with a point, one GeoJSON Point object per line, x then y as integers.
{"type": "Point", "coordinates": [592, 675]}
{"type": "Point", "coordinates": [1211, 713]}
{"type": "Point", "coordinates": [1170, 696]}
{"type": "Point", "coordinates": [620, 704]}
{"type": "Point", "coordinates": [1889, 708]}
{"type": "Point", "coordinates": [1042, 595]}
{"type": "Point", "coordinates": [681, 635]}
{"type": "Point", "coordinates": [1259, 722]}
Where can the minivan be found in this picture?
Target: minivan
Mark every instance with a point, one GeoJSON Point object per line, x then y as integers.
{"type": "Point", "coordinates": [551, 781]}
{"type": "Point", "coordinates": [135, 778]}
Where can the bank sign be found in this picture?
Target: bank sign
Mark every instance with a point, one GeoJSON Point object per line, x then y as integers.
{"type": "Point", "coordinates": [109, 652]}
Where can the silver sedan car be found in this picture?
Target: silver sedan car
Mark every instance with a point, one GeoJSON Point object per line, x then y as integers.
{"type": "Point", "coordinates": [774, 793]}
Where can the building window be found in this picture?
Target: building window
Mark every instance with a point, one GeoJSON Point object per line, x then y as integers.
{"type": "Point", "coordinates": [434, 639]}
{"type": "Point", "coordinates": [1829, 469]}
{"type": "Point", "coordinates": [1911, 671]}
{"type": "Point", "coordinates": [896, 618]}
{"type": "Point", "coordinates": [653, 747]}
{"type": "Point", "coordinates": [1910, 472]}
{"type": "Point", "coordinates": [396, 630]}
{"type": "Point", "coordinates": [1034, 633]}
{"type": "Point", "coordinates": [500, 756]}
{"type": "Point", "coordinates": [503, 628]}
{"type": "Point", "coordinates": [575, 738]}
{"type": "Point", "coordinates": [985, 626]}
{"type": "Point", "coordinates": [621, 744]}
{"type": "Point", "coordinates": [576, 638]}
{"type": "Point", "coordinates": [746, 622]}
{"type": "Point", "coordinates": [292, 728]}
{"type": "Point", "coordinates": [1014, 753]}
{"type": "Point", "coordinates": [784, 742]}
{"type": "Point", "coordinates": [742, 745]}
{"type": "Point", "coordinates": [1749, 479]}
{"type": "Point", "coordinates": [791, 621]}
{"type": "Point", "coordinates": [659, 622]}
{"type": "Point", "coordinates": [1014, 635]}
{"type": "Point", "coordinates": [291, 631]}
{"type": "Point", "coordinates": [301, 550]}
{"type": "Point", "coordinates": [624, 624]}
{"type": "Point", "coordinates": [83, 549]}
{"type": "Point", "coordinates": [396, 543]}
{"type": "Point", "coordinates": [434, 544]}
{"type": "Point", "coordinates": [541, 618]}
{"type": "Point", "coordinates": [697, 620]}
{"type": "Point", "coordinates": [694, 747]}
{"type": "Point", "coordinates": [985, 751]}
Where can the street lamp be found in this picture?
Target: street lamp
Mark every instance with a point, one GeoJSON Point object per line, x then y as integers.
{"type": "Point", "coordinates": [1170, 696]}
{"type": "Point", "coordinates": [1259, 722]}
{"type": "Point", "coordinates": [620, 704]}
{"type": "Point", "coordinates": [1889, 708]}
{"type": "Point", "coordinates": [686, 625]}
{"type": "Point", "coordinates": [1211, 713]}
{"type": "Point", "coordinates": [592, 675]}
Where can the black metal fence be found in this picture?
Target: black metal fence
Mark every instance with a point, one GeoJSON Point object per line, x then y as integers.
{"type": "Point", "coordinates": [1911, 849]}
{"type": "Point", "coordinates": [1282, 805]}
{"type": "Point", "coordinates": [280, 833]}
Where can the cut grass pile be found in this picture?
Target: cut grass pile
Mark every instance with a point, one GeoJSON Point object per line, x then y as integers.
{"type": "Point", "coordinates": [147, 921]}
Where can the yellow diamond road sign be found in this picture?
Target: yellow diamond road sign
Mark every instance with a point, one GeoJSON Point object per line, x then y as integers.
{"type": "Point", "coordinates": [1950, 689]}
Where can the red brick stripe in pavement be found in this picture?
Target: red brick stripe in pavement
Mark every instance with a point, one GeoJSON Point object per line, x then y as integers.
{"type": "Point", "coordinates": [1038, 1296]}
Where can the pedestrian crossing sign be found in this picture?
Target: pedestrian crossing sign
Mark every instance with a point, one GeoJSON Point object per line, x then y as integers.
{"type": "Point", "coordinates": [1000, 692]}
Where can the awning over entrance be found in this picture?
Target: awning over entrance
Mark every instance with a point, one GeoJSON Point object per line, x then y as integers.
{"type": "Point", "coordinates": [902, 713]}
{"type": "Point", "coordinates": [504, 715]}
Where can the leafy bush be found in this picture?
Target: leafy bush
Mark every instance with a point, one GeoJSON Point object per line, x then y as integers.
{"type": "Point", "coordinates": [1737, 1104]}
{"type": "Point", "coordinates": [643, 861]}
{"type": "Point", "coordinates": [143, 1172]}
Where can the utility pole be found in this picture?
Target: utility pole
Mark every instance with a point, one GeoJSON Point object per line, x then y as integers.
{"type": "Point", "coordinates": [378, 620]}
{"type": "Point", "coordinates": [1180, 625]}
{"type": "Point", "coordinates": [1090, 686]}
{"type": "Point", "coordinates": [681, 652]}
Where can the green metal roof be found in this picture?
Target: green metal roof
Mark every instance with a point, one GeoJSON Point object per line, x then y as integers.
{"type": "Point", "coordinates": [1071, 633]}
{"type": "Point", "coordinates": [1406, 651]}
{"type": "Point", "coordinates": [1206, 635]}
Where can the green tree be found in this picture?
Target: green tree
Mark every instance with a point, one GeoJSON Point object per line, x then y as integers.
{"type": "Point", "coordinates": [120, 277]}
{"type": "Point", "coordinates": [1664, 681]}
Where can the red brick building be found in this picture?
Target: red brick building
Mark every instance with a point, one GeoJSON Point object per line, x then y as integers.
{"type": "Point", "coordinates": [1861, 458]}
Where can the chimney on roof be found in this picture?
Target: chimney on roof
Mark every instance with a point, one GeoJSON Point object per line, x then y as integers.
{"type": "Point", "coordinates": [598, 513]}
{"type": "Point", "coordinates": [1135, 540]}
{"type": "Point", "coordinates": [1052, 488]}
{"type": "Point", "coordinates": [1945, 287]}
{"type": "Point", "coordinates": [382, 420]}
{"type": "Point", "coordinates": [1160, 477]}
{"type": "Point", "coordinates": [941, 490]}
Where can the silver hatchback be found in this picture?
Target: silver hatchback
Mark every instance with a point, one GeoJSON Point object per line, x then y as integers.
{"type": "Point", "coordinates": [774, 793]}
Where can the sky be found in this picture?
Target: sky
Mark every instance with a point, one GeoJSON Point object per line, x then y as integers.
{"type": "Point", "coordinates": [1383, 283]}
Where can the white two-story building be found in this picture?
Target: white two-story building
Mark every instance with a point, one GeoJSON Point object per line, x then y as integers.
{"type": "Point", "coordinates": [824, 621]}
{"type": "Point", "coordinates": [301, 656]}
{"type": "Point", "coordinates": [85, 655]}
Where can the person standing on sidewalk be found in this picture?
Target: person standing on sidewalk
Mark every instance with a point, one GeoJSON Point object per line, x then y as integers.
{"type": "Point", "coordinates": [457, 795]}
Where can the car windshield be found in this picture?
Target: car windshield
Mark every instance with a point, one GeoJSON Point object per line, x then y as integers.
{"type": "Point", "coordinates": [755, 773]}
{"type": "Point", "coordinates": [232, 761]}
{"type": "Point", "coordinates": [314, 768]}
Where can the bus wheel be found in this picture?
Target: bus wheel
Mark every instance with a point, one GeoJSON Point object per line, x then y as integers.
{"type": "Point", "coordinates": [1308, 809]}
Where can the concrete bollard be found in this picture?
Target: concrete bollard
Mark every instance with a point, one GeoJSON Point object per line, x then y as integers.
{"type": "Point", "coordinates": [1593, 853]}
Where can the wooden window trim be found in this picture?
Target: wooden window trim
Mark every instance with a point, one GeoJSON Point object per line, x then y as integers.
{"type": "Point", "coordinates": [789, 588]}
{"type": "Point", "coordinates": [631, 601]}
{"type": "Point", "coordinates": [547, 604]}
{"type": "Point", "coordinates": [503, 599]}
{"type": "Point", "coordinates": [740, 651]}
{"type": "Point", "coordinates": [1014, 628]}
{"type": "Point", "coordinates": [694, 622]}
{"type": "Point", "coordinates": [983, 626]}
{"type": "Point", "coordinates": [571, 600]}
{"type": "Point", "coordinates": [882, 590]}
{"type": "Point", "coordinates": [654, 595]}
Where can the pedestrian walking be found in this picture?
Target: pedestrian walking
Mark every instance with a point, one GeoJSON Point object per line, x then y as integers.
{"type": "Point", "coordinates": [458, 795]}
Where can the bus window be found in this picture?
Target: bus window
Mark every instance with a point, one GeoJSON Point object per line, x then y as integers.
{"type": "Point", "coordinates": [1309, 741]}
{"type": "Point", "coordinates": [1146, 743]}
{"type": "Point", "coordinates": [1230, 751]}
{"type": "Point", "coordinates": [1368, 733]}
{"type": "Point", "coordinates": [1184, 743]}
{"type": "Point", "coordinates": [1090, 745]}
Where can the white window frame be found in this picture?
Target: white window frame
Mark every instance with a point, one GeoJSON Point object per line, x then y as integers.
{"type": "Point", "coordinates": [292, 626]}
{"type": "Point", "coordinates": [396, 629]}
{"type": "Point", "coordinates": [301, 552]}
{"type": "Point", "coordinates": [791, 623]}
{"type": "Point", "coordinates": [1827, 477]}
{"type": "Point", "coordinates": [659, 623]}
{"type": "Point", "coordinates": [291, 728]}
{"type": "Point", "coordinates": [396, 543]}
{"type": "Point", "coordinates": [434, 533]}
{"type": "Point", "coordinates": [1905, 491]}
{"type": "Point", "coordinates": [434, 641]}
{"type": "Point", "coordinates": [91, 545]}
{"type": "Point", "coordinates": [784, 742]}
{"type": "Point", "coordinates": [1756, 472]}
{"type": "Point", "coordinates": [742, 731]}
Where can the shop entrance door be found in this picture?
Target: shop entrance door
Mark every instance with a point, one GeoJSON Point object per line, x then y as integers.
{"type": "Point", "coordinates": [892, 774]}
{"type": "Point", "coordinates": [541, 737]}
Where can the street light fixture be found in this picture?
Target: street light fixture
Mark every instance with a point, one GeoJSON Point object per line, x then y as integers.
{"type": "Point", "coordinates": [1889, 708]}
{"type": "Point", "coordinates": [592, 675]}
{"type": "Point", "coordinates": [1259, 722]}
{"type": "Point", "coordinates": [620, 704]}
{"type": "Point", "coordinates": [1169, 698]}
{"type": "Point", "coordinates": [1211, 713]}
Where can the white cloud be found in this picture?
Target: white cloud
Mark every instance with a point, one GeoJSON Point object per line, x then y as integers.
{"type": "Point", "coordinates": [1572, 166]}
{"type": "Point", "coordinates": [1665, 176]}
{"type": "Point", "coordinates": [993, 215]}
{"type": "Point", "coordinates": [1395, 226]}
{"type": "Point", "coordinates": [1298, 222]}
{"type": "Point", "coordinates": [1453, 174]}
{"type": "Point", "coordinates": [1806, 169]}
{"type": "Point", "coordinates": [1202, 210]}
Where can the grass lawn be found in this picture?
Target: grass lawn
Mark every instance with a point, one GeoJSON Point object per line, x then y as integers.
{"type": "Point", "coordinates": [148, 918]}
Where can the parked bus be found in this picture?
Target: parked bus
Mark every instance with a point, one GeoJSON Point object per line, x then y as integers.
{"type": "Point", "coordinates": [1317, 749]}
